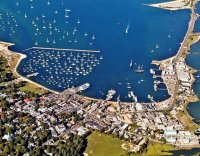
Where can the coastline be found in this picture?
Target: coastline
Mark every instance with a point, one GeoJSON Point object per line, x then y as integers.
{"type": "Point", "coordinates": [173, 99]}
{"type": "Point", "coordinates": [189, 39]}
{"type": "Point", "coordinates": [4, 49]}
{"type": "Point", "coordinates": [173, 5]}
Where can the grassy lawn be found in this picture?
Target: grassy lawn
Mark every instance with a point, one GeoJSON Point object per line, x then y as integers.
{"type": "Point", "coordinates": [193, 39]}
{"type": "Point", "coordinates": [33, 88]}
{"type": "Point", "coordinates": [156, 149]}
{"type": "Point", "coordinates": [186, 120]}
{"type": "Point", "coordinates": [104, 145]}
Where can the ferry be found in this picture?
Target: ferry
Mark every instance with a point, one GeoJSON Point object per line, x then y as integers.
{"type": "Point", "coordinates": [133, 96]}
{"type": "Point", "coordinates": [139, 69]}
{"type": "Point", "coordinates": [150, 97]}
{"type": "Point", "coordinates": [83, 87]}
{"type": "Point", "coordinates": [110, 94]}
{"type": "Point", "coordinates": [31, 75]}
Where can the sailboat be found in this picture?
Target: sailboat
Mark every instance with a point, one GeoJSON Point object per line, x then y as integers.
{"type": "Point", "coordinates": [93, 37]}
{"type": "Point", "coordinates": [157, 46]}
{"type": "Point", "coordinates": [47, 40]}
{"type": "Point", "coordinates": [131, 63]}
{"type": "Point", "coordinates": [139, 69]}
{"type": "Point", "coordinates": [78, 22]}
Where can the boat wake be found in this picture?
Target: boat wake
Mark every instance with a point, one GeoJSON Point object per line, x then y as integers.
{"type": "Point", "coordinates": [127, 28]}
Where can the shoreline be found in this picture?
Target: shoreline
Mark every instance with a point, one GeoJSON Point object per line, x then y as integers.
{"type": "Point", "coordinates": [172, 5]}
{"type": "Point", "coordinates": [173, 89]}
{"type": "Point", "coordinates": [4, 47]}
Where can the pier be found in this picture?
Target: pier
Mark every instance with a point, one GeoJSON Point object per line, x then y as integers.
{"type": "Point", "coordinates": [57, 49]}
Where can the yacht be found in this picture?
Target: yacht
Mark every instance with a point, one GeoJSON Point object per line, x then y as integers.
{"type": "Point", "coordinates": [93, 37]}
{"type": "Point", "coordinates": [83, 87]}
{"type": "Point", "coordinates": [139, 69]}
{"type": "Point", "coordinates": [157, 46]}
{"type": "Point", "coordinates": [47, 40]}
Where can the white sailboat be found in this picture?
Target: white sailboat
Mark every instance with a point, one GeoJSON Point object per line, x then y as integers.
{"type": "Point", "coordinates": [93, 37]}
{"type": "Point", "coordinates": [78, 22]}
{"type": "Point", "coordinates": [131, 63]}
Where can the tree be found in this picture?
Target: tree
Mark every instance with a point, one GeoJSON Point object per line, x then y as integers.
{"type": "Point", "coordinates": [6, 150]}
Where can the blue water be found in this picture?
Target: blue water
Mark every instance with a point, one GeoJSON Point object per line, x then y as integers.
{"type": "Point", "coordinates": [193, 61]}
{"type": "Point", "coordinates": [191, 152]}
{"type": "Point", "coordinates": [107, 20]}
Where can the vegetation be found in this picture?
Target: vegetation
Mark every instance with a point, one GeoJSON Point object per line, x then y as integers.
{"type": "Point", "coordinates": [193, 39]}
{"type": "Point", "coordinates": [19, 131]}
{"type": "Point", "coordinates": [158, 149]}
{"type": "Point", "coordinates": [186, 120]}
{"type": "Point", "coordinates": [5, 74]}
{"type": "Point", "coordinates": [30, 87]}
{"type": "Point", "coordinates": [73, 146]}
{"type": "Point", "coordinates": [102, 144]}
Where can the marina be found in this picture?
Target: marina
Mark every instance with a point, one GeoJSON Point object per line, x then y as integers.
{"type": "Point", "coordinates": [62, 68]}
{"type": "Point", "coordinates": [64, 28]}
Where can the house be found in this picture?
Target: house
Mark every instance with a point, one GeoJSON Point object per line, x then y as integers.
{"type": "Point", "coordinates": [139, 107]}
{"type": "Point", "coordinates": [94, 125]}
{"type": "Point", "coordinates": [27, 100]}
{"type": "Point", "coordinates": [60, 128]}
{"type": "Point", "coordinates": [82, 130]}
{"type": "Point", "coordinates": [7, 137]}
{"type": "Point", "coordinates": [170, 132]}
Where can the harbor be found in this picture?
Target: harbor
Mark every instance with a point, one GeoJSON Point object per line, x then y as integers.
{"type": "Point", "coordinates": [64, 29]}
{"type": "Point", "coordinates": [66, 69]}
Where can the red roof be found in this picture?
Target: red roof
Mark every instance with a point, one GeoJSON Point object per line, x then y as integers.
{"type": "Point", "coordinates": [26, 100]}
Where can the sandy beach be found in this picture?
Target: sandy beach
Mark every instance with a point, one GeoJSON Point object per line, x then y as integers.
{"type": "Point", "coordinates": [172, 5]}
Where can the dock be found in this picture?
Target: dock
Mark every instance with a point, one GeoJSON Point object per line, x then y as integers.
{"type": "Point", "coordinates": [59, 49]}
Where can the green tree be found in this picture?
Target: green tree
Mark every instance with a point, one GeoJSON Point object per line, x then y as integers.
{"type": "Point", "coordinates": [6, 150]}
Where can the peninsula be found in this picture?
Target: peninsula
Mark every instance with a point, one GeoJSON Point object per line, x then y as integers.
{"type": "Point", "coordinates": [174, 5]}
